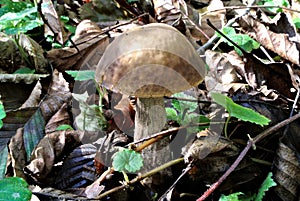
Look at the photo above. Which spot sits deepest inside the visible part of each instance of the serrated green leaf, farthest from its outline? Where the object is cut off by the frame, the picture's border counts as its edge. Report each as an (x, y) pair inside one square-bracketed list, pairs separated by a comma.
[(14, 189), (3, 160), (238, 111), (127, 160), (64, 127), (82, 75), (171, 114), (231, 197), (266, 185)]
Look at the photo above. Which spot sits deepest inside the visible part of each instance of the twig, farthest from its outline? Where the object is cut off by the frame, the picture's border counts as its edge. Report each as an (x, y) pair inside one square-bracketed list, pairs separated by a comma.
[(244, 152), (139, 178), (249, 7)]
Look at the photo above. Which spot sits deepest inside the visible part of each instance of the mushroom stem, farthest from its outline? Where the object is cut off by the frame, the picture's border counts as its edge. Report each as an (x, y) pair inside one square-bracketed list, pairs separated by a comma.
[(150, 118)]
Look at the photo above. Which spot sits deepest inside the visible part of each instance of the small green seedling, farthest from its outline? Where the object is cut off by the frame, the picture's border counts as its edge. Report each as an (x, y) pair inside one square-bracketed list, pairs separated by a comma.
[(243, 40), (14, 189), (239, 196), (185, 113), (238, 111), (127, 160)]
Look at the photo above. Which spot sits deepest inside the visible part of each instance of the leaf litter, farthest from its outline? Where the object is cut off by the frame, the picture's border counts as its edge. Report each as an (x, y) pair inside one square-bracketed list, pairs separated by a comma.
[(264, 80)]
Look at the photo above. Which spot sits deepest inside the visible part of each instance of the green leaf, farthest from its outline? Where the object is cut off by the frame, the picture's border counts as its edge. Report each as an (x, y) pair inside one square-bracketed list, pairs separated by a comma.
[(14, 189), (238, 111), (3, 160), (127, 160), (266, 185), (181, 105), (171, 114), (243, 40), (296, 21), (82, 75), (24, 70), (231, 197), (64, 127)]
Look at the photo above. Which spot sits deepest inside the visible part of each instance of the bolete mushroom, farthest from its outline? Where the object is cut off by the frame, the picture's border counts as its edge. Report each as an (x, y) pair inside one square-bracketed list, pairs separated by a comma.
[(150, 62)]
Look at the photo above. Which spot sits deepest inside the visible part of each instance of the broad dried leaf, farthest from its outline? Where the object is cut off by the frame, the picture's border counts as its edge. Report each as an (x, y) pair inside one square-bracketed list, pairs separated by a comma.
[(101, 10), (202, 146), (48, 150), (33, 132), (52, 18), (90, 43), (217, 18), (34, 54), (35, 96), (277, 42), (17, 153), (77, 170), (3, 159), (58, 94), (59, 118), (286, 173), (225, 71)]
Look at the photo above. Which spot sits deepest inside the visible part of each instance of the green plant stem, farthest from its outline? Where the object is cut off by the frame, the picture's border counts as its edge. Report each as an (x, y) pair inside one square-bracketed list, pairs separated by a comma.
[(139, 178), (226, 125)]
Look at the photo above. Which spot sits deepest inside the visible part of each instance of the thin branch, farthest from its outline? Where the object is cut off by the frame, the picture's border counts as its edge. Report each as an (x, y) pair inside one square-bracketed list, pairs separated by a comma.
[(250, 142)]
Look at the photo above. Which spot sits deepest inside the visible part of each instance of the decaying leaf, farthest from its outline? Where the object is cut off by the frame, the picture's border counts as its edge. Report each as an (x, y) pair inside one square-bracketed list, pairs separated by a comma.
[(35, 54), (59, 118), (16, 88), (225, 71), (17, 153), (277, 42), (286, 173), (202, 146), (52, 18), (48, 150), (90, 45)]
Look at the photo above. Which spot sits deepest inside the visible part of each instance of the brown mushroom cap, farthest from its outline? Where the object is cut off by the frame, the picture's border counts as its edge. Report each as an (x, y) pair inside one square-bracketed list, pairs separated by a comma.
[(150, 61)]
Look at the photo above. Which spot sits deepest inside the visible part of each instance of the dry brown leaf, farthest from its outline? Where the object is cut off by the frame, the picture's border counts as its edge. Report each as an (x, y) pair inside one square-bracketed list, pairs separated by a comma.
[(58, 94), (50, 148), (17, 153), (52, 18), (226, 71), (276, 42), (61, 117), (88, 40), (217, 18)]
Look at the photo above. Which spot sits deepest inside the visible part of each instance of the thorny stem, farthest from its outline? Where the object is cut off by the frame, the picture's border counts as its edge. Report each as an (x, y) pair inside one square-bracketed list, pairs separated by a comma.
[(244, 152)]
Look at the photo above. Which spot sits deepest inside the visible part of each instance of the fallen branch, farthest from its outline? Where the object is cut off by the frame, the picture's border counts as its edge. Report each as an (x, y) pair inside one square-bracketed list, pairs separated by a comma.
[(250, 143)]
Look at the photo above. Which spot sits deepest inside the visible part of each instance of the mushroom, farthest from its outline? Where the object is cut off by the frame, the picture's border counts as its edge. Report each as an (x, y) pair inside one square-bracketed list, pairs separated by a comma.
[(150, 62)]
